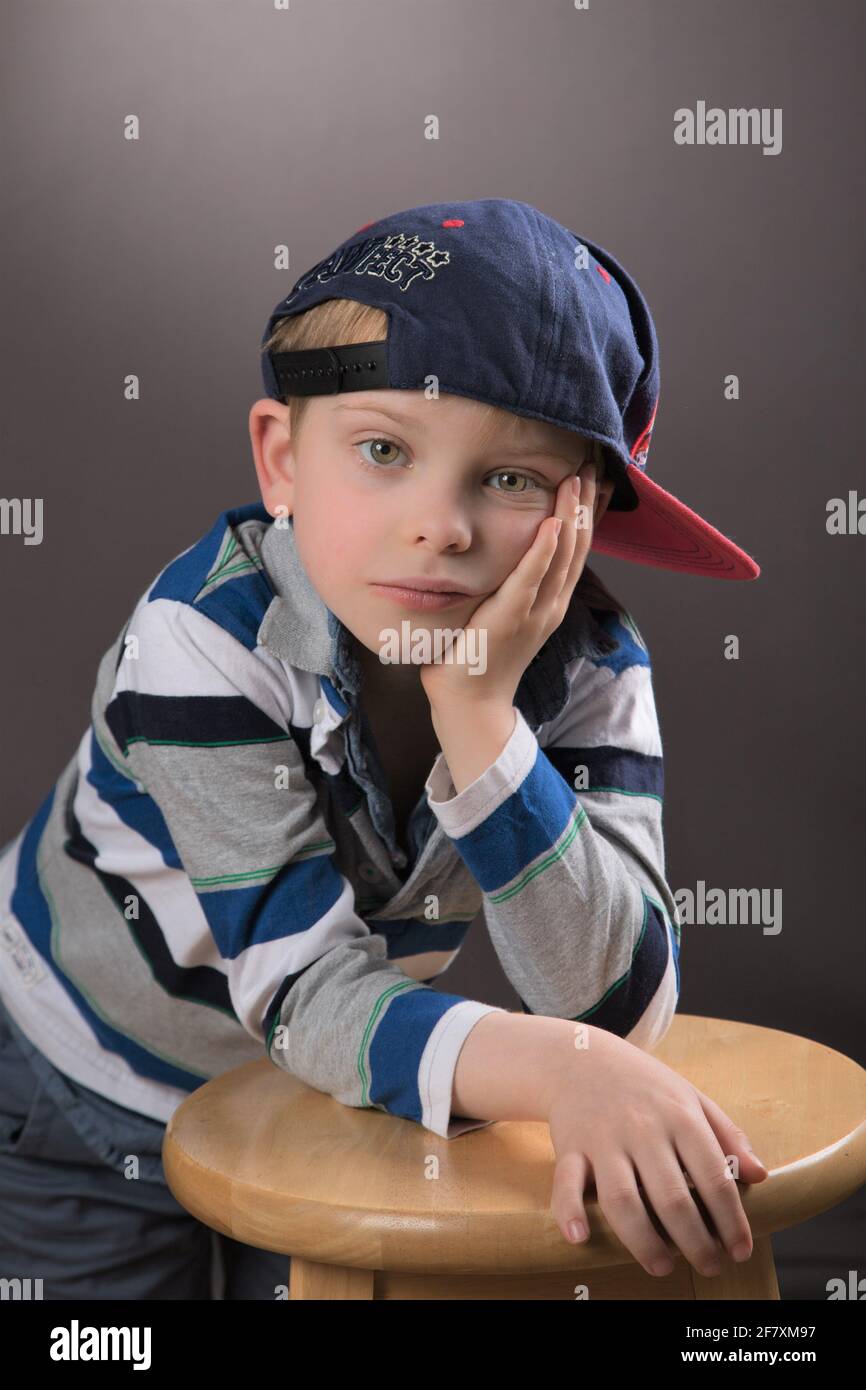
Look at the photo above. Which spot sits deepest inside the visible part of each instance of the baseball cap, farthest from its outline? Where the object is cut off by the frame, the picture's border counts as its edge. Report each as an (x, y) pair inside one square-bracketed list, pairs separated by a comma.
[(503, 304)]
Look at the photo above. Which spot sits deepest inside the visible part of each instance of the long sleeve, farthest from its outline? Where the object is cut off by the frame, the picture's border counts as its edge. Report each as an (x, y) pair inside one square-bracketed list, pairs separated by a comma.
[(201, 723), (563, 833)]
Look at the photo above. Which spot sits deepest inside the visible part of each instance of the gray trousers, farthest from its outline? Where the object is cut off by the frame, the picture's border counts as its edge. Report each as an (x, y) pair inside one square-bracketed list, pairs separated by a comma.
[(69, 1216)]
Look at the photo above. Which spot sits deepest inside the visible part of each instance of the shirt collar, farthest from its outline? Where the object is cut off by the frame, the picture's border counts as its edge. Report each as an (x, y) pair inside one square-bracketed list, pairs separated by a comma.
[(299, 628)]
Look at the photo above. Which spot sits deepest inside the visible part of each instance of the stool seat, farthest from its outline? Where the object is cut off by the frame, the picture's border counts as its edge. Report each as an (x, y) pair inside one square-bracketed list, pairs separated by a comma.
[(372, 1206)]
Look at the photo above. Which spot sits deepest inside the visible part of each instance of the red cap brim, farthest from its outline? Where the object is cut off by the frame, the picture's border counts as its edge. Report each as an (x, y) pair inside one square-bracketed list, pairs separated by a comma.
[(662, 531)]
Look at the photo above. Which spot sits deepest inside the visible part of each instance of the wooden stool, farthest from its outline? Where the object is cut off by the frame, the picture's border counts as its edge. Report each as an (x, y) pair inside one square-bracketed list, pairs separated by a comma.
[(371, 1206)]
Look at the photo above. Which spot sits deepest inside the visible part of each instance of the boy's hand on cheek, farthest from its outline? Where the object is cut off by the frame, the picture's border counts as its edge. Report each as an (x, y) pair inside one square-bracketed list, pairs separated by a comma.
[(514, 622)]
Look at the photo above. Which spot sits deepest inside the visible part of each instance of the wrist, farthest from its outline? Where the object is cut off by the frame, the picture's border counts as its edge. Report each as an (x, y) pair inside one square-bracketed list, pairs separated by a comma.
[(456, 708), (510, 1065), (472, 737), (569, 1048)]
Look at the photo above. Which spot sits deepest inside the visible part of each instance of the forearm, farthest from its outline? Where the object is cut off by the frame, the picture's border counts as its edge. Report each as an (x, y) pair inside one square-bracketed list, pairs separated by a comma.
[(509, 1066), (575, 899), (471, 738)]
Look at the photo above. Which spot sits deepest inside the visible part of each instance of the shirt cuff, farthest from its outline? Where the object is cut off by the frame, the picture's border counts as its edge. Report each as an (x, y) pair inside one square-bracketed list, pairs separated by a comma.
[(460, 812), (438, 1064)]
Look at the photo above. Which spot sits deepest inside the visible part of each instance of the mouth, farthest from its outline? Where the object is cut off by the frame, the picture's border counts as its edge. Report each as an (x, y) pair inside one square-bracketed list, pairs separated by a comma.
[(409, 595), (421, 583)]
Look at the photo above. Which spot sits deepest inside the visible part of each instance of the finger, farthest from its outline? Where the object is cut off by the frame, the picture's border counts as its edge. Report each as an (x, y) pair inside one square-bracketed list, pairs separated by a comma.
[(566, 509), (664, 1183), (729, 1216), (520, 587), (732, 1139), (546, 565), (622, 1204), (717, 1191), (567, 1197), (584, 519), (579, 509)]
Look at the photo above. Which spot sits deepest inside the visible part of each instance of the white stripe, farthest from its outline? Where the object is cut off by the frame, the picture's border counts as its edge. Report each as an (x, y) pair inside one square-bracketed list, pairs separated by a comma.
[(182, 652), (257, 973), (439, 1062), (604, 708), (47, 1016)]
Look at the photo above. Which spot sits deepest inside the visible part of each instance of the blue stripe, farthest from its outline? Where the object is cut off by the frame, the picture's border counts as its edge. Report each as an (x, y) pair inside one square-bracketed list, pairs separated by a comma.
[(629, 1000), (193, 720), (408, 937), (333, 698), (611, 769), (527, 824), (184, 576), (295, 899), (398, 1044), (675, 947), (200, 984), (31, 908), (136, 809), (628, 653), (626, 1002), (237, 605)]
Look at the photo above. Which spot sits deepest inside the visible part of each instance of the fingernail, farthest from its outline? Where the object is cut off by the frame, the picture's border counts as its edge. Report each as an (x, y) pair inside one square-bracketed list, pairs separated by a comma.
[(576, 1230), (575, 485), (741, 1252), (558, 525)]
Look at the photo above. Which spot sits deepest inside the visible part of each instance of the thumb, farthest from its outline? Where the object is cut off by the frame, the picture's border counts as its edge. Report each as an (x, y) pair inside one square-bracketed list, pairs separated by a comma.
[(733, 1140)]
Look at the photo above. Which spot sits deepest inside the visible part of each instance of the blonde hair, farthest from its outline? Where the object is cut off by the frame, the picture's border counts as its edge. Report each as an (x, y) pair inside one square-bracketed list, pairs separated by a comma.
[(338, 322)]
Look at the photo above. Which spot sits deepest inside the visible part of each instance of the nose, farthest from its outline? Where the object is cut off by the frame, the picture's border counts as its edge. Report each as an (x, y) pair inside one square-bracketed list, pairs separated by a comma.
[(438, 517)]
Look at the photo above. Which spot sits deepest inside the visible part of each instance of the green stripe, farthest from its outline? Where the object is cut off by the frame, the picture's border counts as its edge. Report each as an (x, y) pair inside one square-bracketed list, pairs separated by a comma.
[(223, 570), (251, 875), (225, 550), (242, 877), (674, 926), (629, 622), (576, 822), (231, 547), (207, 743), (379, 1006), (579, 1018), (245, 564)]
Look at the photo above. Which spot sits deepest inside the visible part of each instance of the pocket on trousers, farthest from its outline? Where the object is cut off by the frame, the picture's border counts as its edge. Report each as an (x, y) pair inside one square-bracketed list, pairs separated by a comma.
[(23, 1104), (31, 1126), (45, 1114)]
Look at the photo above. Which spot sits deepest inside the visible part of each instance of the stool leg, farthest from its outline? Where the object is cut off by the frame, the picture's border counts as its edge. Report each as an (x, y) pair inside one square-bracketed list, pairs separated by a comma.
[(308, 1279), (755, 1278)]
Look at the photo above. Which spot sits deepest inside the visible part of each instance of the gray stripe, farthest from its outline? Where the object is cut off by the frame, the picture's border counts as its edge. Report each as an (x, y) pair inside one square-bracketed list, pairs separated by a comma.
[(92, 944)]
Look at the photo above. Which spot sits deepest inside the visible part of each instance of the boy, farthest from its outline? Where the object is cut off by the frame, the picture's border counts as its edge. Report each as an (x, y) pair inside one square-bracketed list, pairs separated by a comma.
[(271, 840)]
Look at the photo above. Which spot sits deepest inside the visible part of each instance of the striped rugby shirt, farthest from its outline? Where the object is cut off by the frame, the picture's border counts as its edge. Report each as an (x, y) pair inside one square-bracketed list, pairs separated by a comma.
[(214, 876)]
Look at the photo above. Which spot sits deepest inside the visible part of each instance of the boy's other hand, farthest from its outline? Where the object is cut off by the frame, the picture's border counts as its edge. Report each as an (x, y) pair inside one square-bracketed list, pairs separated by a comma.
[(529, 604), (619, 1116)]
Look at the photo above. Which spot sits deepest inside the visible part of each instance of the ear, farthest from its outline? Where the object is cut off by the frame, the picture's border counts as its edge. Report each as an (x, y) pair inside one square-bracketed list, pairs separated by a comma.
[(273, 455)]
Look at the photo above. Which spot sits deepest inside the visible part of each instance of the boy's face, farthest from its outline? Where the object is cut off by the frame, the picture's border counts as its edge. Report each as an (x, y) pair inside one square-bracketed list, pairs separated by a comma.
[(388, 485)]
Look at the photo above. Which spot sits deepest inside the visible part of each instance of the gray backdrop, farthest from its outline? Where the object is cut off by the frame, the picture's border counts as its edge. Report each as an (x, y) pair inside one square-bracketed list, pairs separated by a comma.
[(260, 127)]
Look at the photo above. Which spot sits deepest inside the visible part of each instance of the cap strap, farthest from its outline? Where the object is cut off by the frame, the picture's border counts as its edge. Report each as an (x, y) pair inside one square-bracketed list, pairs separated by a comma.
[(325, 371)]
